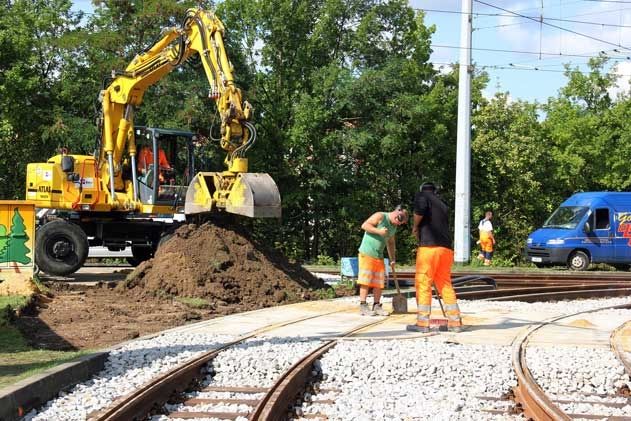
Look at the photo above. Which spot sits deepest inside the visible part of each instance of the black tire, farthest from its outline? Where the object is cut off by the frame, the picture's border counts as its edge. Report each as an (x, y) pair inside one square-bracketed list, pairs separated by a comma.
[(540, 265), (140, 254), (61, 247), (578, 260)]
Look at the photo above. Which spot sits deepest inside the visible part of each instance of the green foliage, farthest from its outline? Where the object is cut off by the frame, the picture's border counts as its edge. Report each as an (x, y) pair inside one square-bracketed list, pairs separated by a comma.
[(350, 114), (324, 260)]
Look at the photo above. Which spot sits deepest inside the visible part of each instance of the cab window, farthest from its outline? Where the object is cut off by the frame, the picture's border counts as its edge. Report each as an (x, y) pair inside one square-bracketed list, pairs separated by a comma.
[(602, 219)]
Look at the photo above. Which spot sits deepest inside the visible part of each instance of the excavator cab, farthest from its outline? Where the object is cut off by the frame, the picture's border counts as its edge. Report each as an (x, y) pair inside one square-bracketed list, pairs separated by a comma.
[(165, 164)]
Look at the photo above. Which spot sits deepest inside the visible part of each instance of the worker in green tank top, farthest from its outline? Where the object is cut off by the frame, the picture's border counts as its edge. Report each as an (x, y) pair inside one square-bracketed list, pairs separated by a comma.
[(380, 230)]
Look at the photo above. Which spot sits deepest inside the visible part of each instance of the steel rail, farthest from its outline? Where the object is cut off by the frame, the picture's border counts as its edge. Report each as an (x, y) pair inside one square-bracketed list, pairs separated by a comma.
[(548, 293), (534, 401), (615, 341), (274, 405), (139, 403)]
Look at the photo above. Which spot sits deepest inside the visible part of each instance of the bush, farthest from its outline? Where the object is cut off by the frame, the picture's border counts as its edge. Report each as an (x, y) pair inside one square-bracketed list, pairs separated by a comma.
[(324, 260)]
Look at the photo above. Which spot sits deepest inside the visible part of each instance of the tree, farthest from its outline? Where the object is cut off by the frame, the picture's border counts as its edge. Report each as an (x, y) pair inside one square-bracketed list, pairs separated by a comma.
[(510, 169)]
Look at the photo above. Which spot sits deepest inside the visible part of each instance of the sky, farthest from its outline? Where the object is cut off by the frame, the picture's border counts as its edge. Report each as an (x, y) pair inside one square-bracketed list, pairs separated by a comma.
[(538, 75), (530, 65)]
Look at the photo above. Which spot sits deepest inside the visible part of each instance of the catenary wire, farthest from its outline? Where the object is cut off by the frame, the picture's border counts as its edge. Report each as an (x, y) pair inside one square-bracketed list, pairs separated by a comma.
[(554, 26)]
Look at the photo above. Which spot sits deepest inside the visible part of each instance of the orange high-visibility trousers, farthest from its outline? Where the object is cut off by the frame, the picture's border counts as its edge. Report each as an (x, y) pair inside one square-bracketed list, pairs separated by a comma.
[(372, 271), (486, 243), (433, 265)]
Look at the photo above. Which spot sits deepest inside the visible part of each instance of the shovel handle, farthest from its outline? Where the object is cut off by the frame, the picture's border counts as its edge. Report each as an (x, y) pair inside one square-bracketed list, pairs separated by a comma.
[(396, 281)]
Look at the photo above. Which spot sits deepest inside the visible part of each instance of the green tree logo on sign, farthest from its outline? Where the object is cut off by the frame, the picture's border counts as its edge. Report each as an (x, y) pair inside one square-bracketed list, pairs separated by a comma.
[(13, 246), (4, 238)]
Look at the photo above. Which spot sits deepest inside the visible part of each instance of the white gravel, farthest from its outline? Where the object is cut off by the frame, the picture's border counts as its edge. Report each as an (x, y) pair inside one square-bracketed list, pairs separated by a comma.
[(577, 373), (412, 379), (557, 307), (258, 362), (126, 369)]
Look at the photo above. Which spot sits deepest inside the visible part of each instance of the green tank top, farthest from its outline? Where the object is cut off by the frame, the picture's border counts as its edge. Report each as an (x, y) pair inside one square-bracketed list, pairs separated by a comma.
[(373, 244)]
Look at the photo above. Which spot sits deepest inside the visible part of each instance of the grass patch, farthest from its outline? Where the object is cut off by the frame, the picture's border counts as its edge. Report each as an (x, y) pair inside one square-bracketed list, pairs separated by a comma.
[(18, 360), (18, 365), (193, 302)]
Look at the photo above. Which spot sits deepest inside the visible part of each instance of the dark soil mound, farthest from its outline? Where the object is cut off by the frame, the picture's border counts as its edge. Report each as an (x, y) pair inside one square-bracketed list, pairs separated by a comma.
[(222, 266)]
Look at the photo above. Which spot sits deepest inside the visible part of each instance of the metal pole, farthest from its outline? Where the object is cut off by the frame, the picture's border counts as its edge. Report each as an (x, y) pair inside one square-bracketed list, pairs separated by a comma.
[(462, 246)]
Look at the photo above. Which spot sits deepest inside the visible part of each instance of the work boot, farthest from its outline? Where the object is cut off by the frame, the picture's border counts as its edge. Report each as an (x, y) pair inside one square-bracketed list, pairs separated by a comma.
[(455, 329), (417, 328), (364, 310), (487, 262), (378, 310)]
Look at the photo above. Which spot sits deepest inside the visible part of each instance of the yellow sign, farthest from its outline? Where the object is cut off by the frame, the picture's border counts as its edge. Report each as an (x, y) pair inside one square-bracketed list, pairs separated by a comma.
[(17, 240)]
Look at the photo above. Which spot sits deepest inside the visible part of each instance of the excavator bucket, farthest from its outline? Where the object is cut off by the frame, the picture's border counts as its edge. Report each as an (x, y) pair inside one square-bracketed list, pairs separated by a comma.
[(252, 194), (255, 195)]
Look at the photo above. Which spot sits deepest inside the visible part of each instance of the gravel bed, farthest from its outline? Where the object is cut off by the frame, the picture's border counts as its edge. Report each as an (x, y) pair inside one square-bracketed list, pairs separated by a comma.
[(378, 379), (125, 370), (411, 379), (257, 362), (165, 418), (577, 373), (559, 307)]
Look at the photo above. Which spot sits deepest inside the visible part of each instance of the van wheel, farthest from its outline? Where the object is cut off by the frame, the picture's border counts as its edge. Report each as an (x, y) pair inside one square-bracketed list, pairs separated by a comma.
[(61, 247), (578, 260)]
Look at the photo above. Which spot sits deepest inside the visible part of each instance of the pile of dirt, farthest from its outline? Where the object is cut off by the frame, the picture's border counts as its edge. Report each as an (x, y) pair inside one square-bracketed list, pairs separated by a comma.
[(223, 266)]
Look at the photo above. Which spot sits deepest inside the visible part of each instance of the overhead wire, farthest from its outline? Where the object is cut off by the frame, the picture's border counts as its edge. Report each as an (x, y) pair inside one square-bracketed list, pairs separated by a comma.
[(536, 19), (554, 26)]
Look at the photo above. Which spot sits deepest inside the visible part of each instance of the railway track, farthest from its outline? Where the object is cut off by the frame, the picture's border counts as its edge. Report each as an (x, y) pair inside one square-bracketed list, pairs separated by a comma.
[(537, 403), (143, 401), (271, 402), (508, 278)]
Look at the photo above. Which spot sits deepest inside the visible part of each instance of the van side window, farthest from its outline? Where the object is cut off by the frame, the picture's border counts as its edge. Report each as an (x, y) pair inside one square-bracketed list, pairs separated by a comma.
[(602, 219)]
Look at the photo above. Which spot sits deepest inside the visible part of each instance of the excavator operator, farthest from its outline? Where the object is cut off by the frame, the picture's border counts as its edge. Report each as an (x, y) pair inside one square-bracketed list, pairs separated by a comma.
[(145, 161)]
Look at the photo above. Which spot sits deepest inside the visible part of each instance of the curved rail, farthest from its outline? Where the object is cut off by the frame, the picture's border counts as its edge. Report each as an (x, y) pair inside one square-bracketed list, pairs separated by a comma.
[(616, 344), (158, 390), (273, 407), (528, 393)]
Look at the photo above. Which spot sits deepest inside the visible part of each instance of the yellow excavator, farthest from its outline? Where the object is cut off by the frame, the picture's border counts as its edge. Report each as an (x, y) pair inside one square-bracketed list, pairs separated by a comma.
[(141, 179)]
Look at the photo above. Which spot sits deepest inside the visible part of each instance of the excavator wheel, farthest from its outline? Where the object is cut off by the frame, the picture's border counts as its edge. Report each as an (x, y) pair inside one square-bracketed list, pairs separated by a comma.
[(61, 247)]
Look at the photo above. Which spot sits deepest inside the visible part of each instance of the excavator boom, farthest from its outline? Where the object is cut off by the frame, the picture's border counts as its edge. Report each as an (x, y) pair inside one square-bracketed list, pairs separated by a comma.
[(201, 33)]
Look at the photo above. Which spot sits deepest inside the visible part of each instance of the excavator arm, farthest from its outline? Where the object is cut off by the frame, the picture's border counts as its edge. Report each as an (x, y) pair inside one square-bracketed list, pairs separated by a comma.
[(234, 190)]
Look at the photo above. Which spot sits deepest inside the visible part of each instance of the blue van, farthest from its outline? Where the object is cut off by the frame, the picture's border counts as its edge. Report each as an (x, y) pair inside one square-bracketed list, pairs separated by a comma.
[(593, 227)]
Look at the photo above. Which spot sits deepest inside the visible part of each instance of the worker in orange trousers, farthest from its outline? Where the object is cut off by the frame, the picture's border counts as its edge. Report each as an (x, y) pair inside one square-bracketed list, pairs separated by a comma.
[(434, 258)]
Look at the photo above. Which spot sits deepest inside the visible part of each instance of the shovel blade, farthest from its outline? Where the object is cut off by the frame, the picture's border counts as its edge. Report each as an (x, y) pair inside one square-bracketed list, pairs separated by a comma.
[(400, 304)]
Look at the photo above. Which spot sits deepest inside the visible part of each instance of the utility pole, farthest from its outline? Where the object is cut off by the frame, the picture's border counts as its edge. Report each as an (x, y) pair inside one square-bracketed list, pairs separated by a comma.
[(462, 245)]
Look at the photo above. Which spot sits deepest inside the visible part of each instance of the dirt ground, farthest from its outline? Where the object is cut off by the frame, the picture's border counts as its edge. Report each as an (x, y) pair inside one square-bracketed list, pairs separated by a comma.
[(92, 317), (216, 270)]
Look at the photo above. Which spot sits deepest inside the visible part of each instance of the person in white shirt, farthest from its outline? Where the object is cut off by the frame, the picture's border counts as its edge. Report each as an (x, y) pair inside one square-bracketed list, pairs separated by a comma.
[(487, 240)]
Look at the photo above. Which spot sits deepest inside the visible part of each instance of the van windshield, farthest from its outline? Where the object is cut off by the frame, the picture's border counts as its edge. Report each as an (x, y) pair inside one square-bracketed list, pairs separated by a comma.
[(566, 217)]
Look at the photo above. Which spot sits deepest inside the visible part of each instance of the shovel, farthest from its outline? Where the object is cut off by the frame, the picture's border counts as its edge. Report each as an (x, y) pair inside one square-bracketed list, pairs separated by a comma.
[(399, 301)]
